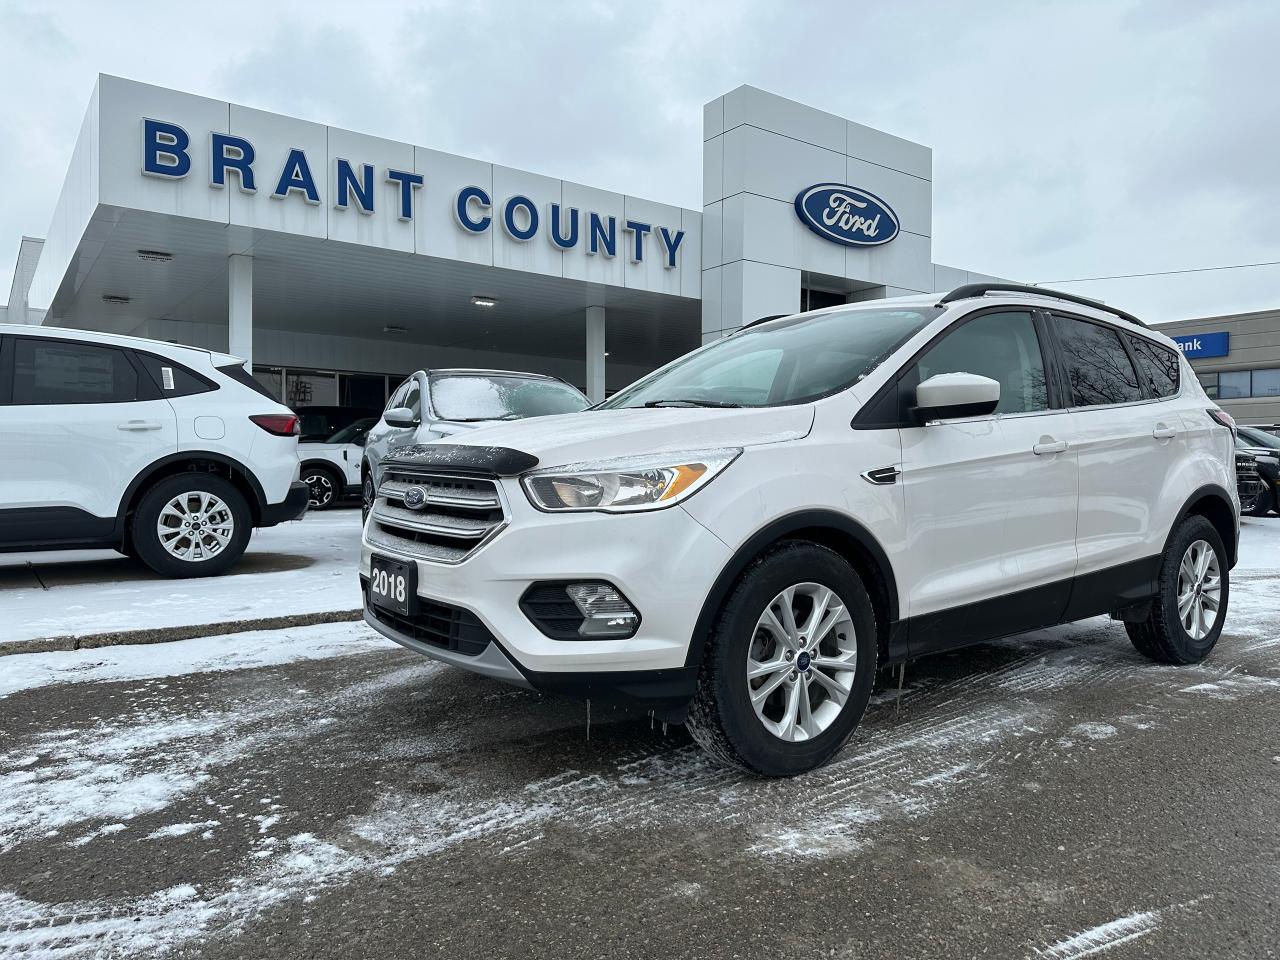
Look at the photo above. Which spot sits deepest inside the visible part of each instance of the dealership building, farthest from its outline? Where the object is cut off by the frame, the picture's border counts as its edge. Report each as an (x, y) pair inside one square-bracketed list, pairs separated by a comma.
[(339, 262), (1237, 359)]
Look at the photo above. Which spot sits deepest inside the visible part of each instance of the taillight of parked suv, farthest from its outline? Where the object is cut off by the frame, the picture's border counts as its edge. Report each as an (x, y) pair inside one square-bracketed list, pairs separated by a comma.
[(280, 424)]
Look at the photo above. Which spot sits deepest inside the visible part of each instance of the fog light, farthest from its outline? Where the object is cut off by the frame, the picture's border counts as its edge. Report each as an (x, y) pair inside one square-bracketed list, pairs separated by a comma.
[(606, 615)]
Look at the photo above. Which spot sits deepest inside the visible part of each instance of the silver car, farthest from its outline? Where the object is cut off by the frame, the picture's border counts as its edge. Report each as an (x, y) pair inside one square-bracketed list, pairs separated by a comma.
[(432, 405)]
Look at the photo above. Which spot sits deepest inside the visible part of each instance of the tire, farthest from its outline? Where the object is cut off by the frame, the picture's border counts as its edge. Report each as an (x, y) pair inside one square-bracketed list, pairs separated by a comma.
[(213, 555), (1263, 505), (1166, 636), (722, 718), (366, 495), (324, 484)]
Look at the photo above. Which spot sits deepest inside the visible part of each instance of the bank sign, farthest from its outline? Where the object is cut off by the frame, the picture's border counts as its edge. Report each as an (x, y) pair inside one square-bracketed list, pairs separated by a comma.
[(846, 215), (167, 149), (1197, 345)]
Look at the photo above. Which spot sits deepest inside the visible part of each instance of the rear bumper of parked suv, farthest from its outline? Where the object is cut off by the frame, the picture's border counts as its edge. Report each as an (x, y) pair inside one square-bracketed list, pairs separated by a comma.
[(469, 613), (293, 506)]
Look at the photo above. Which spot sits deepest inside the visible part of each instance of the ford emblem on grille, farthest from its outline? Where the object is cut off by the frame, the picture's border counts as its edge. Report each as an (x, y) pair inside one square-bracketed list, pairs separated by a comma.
[(415, 498)]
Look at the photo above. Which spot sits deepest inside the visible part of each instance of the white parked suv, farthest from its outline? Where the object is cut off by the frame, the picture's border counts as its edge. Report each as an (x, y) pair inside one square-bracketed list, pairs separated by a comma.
[(743, 537), (168, 453), (331, 466)]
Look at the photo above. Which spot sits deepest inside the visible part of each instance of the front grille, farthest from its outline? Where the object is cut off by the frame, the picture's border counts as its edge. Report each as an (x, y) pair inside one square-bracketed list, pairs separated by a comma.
[(437, 624), (456, 516), (1249, 484)]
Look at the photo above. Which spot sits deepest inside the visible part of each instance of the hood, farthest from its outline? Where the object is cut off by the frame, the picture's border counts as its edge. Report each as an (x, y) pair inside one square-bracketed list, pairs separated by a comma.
[(603, 434)]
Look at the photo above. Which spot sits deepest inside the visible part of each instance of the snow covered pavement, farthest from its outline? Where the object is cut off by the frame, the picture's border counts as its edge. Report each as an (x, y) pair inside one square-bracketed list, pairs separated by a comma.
[(304, 567), (319, 792)]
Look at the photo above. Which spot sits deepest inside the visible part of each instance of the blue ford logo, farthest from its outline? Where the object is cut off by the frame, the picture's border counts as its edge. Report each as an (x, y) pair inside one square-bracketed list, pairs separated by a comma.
[(415, 498), (802, 662), (846, 215)]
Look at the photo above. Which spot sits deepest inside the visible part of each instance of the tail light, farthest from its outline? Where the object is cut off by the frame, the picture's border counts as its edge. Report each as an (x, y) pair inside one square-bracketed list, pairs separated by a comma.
[(1222, 419), (280, 424)]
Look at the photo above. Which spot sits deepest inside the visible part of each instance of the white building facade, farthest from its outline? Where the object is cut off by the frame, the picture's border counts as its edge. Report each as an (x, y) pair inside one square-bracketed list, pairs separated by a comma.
[(340, 262)]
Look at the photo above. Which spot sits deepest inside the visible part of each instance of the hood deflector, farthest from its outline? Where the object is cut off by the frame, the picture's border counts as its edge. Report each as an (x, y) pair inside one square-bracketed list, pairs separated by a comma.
[(463, 458)]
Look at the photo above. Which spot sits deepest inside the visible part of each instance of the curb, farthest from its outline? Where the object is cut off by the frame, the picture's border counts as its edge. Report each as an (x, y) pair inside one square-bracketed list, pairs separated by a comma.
[(168, 634)]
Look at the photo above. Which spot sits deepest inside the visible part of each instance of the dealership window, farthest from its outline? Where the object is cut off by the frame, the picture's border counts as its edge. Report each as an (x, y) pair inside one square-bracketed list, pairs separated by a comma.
[(1233, 384), (1266, 383), (304, 389), (272, 379), (362, 390)]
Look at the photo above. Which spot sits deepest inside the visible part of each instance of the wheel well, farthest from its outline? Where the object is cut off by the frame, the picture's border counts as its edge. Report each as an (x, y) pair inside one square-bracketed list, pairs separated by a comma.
[(825, 528), (322, 465), (868, 568), (196, 464), (1217, 511)]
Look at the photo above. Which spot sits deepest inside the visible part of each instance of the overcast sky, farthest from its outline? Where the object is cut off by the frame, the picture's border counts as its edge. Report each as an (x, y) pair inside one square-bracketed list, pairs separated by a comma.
[(1070, 139)]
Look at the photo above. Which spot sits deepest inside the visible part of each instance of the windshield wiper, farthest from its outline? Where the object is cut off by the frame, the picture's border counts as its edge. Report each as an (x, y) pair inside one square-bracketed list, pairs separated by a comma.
[(690, 403)]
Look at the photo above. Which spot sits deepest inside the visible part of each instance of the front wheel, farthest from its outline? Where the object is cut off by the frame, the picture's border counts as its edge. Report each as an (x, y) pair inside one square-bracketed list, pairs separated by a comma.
[(191, 525), (789, 663), (1191, 604)]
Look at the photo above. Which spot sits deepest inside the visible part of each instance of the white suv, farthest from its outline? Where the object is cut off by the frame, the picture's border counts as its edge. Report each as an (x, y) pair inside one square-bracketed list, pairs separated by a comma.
[(164, 452), (741, 538)]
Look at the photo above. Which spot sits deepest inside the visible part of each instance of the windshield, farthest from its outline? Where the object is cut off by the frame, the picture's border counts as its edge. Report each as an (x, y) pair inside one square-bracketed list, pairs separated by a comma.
[(464, 397), (1258, 438), (795, 360), (352, 432)]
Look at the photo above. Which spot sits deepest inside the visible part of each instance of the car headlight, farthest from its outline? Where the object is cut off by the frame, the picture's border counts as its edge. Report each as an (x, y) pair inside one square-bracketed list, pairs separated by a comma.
[(627, 484)]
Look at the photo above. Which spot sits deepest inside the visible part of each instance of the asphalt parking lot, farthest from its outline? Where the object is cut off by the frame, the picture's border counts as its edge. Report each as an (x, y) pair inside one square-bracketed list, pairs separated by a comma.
[(317, 792)]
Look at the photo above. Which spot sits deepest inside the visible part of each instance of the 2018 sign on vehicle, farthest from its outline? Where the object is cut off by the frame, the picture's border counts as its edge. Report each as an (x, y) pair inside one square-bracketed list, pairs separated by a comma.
[(846, 215)]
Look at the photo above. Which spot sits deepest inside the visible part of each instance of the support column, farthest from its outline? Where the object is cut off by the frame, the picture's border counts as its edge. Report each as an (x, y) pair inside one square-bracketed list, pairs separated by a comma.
[(595, 354), (240, 307)]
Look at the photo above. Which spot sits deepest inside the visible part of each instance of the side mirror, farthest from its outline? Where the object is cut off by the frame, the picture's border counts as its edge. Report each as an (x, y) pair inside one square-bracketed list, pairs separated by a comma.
[(946, 396), (400, 417)]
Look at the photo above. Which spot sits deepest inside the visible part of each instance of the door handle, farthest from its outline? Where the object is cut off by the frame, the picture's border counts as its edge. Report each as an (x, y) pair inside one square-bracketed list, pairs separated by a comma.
[(137, 425), (1048, 445), (1163, 431)]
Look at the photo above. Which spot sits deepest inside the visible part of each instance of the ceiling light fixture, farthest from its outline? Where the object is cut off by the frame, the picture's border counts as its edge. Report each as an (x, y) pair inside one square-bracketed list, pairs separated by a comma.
[(159, 256), (485, 301), (113, 298), (394, 328)]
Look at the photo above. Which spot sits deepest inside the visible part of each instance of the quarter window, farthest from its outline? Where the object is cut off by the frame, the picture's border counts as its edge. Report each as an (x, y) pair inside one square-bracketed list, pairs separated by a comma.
[(1157, 365), (1002, 346), (58, 371), (173, 379), (1099, 370)]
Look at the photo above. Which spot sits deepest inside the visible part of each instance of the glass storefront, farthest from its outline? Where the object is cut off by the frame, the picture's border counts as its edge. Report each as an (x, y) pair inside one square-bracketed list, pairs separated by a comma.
[(297, 387)]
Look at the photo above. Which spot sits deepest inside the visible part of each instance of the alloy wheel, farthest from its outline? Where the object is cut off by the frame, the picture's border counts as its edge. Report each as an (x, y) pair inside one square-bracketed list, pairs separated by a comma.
[(195, 526), (320, 488), (801, 662), (1199, 589)]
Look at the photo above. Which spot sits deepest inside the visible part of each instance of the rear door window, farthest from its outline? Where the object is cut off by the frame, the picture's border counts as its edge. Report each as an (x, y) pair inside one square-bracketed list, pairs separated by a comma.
[(1157, 365), (64, 371), (1098, 367)]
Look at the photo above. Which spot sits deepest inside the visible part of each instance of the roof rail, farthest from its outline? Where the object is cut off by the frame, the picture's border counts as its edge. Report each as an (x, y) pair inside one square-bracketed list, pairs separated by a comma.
[(980, 289)]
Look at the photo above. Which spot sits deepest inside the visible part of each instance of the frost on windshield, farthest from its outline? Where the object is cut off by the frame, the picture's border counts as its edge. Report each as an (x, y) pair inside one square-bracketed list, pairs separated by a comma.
[(502, 398)]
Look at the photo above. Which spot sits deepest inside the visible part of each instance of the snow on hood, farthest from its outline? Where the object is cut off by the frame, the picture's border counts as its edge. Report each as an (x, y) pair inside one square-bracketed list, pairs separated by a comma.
[(602, 434)]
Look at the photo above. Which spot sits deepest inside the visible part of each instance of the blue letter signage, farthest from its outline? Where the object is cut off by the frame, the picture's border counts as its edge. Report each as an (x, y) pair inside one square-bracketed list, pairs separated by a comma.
[(846, 215), (1197, 345)]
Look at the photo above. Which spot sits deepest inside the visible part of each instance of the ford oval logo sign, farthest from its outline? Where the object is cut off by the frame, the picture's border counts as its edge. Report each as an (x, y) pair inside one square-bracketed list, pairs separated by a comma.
[(415, 498), (847, 215)]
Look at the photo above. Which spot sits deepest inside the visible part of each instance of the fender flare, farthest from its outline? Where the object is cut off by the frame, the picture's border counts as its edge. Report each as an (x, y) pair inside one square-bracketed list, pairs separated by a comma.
[(776, 530), (158, 466), (1216, 492)]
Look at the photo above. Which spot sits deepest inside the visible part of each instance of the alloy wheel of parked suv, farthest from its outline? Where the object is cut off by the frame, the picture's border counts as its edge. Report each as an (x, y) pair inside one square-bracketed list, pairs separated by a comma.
[(322, 487), (191, 525), (1187, 615), (790, 663)]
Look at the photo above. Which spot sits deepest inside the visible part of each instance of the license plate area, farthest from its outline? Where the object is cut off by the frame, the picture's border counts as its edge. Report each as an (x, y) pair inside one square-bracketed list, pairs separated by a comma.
[(393, 585)]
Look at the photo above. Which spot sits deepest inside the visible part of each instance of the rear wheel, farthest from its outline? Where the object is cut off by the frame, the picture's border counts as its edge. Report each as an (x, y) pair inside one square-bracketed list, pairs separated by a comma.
[(789, 664), (1188, 612), (191, 525), (324, 486), (366, 495)]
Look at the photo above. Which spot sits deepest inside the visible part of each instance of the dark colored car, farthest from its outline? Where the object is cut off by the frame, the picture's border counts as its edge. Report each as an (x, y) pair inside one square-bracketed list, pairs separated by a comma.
[(320, 423), (1264, 448)]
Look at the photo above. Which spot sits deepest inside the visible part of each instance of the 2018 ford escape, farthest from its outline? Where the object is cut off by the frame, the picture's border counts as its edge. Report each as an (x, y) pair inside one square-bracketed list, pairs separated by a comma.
[(743, 537)]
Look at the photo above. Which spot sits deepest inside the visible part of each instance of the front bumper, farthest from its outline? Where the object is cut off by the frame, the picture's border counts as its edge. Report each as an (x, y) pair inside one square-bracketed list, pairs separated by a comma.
[(292, 507), (663, 561)]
